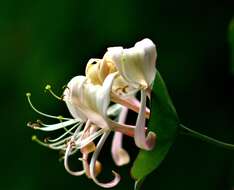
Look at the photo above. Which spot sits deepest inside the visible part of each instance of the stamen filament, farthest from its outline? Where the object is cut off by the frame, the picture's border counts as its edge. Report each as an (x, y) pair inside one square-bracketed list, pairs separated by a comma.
[(57, 126), (52, 146), (64, 134), (41, 113), (48, 88), (82, 143)]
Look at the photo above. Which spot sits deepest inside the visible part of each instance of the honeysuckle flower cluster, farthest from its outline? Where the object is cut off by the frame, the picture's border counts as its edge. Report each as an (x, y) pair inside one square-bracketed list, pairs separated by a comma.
[(108, 90)]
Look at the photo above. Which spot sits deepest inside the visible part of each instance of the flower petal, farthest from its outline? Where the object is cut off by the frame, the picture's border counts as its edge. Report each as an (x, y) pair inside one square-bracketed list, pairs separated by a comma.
[(116, 180), (150, 56), (141, 141), (96, 100), (66, 165), (103, 97), (137, 64), (119, 155), (70, 96)]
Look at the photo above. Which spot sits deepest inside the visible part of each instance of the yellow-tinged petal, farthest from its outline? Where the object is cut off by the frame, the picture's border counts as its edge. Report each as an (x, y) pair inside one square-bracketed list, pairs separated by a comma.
[(137, 64), (70, 97), (89, 99)]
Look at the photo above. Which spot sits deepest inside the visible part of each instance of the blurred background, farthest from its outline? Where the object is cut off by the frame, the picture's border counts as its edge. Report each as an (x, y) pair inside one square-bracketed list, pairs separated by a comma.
[(49, 42)]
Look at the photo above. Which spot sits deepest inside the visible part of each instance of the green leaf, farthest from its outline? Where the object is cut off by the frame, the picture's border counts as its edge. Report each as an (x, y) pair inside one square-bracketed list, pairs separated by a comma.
[(164, 122), (231, 44)]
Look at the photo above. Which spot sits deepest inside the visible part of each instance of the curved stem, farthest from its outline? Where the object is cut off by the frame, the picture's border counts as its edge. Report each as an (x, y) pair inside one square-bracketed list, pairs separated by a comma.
[(206, 138)]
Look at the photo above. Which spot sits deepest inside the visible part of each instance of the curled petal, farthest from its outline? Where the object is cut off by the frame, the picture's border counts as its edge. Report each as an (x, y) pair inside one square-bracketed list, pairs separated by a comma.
[(66, 165), (116, 180), (119, 155), (141, 141)]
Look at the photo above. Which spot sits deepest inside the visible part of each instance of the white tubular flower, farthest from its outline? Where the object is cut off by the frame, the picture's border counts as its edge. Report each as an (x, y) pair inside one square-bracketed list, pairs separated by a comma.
[(115, 78), (137, 66), (93, 101), (88, 103)]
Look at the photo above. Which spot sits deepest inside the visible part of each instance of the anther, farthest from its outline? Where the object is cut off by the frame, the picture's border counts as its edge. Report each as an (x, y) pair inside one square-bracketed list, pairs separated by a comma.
[(48, 88), (33, 125), (60, 118), (46, 140), (39, 121), (34, 138)]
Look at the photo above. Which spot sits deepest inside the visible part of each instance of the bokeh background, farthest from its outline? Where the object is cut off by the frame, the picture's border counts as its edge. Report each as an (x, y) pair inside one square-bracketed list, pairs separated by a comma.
[(45, 42)]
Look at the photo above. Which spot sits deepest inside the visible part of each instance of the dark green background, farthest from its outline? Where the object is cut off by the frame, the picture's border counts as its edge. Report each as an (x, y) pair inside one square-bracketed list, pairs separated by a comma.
[(50, 42)]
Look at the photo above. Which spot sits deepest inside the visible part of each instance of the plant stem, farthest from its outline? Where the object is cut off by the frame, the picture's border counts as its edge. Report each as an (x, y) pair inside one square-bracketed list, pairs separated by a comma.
[(206, 138)]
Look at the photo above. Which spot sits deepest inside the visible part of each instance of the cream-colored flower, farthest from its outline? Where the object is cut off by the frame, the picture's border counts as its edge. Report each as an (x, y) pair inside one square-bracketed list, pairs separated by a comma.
[(136, 72), (116, 78), (88, 103), (137, 64)]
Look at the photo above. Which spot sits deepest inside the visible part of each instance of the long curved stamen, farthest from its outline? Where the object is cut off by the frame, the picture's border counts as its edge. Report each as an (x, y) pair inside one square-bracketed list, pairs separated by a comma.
[(41, 113), (141, 141), (64, 134), (77, 135), (48, 88), (55, 146), (56, 126), (66, 165), (116, 180), (68, 152), (83, 143), (60, 142), (119, 155)]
